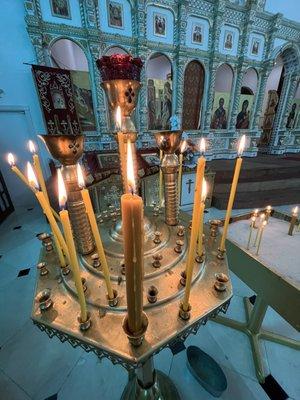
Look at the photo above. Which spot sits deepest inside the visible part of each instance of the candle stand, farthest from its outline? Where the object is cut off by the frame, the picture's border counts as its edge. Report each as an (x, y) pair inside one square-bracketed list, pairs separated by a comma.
[(105, 336), (68, 149)]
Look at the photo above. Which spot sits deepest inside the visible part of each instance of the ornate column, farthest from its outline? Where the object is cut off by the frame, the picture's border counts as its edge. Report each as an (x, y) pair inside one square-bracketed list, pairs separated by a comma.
[(210, 94), (142, 52), (179, 88), (235, 96), (37, 42), (259, 97), (205, 90)]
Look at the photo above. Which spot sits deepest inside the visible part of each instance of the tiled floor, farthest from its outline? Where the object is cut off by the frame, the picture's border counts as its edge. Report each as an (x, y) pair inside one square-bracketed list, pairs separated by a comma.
[(34, 367)]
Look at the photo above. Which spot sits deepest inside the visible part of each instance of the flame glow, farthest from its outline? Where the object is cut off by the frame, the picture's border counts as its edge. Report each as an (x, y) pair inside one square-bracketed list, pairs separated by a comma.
[(202, 146), (204, 190), (183, 146), (11, 159), (62, 193), (241, 145), (118, 118), (253, 219), (265, 223), (130, 170), (80, 177), (295, 210), (31, 176), (31, 146), (269, 208)]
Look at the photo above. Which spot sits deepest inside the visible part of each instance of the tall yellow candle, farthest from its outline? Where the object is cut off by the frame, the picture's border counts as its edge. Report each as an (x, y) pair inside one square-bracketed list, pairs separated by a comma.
[(15, 169), (93, 222), (121, 146), (179, 185), (160, 179), (38, 169), (236, 175), (46, 209), (65, 221), (201, 223), (133, 234), (194, 232)]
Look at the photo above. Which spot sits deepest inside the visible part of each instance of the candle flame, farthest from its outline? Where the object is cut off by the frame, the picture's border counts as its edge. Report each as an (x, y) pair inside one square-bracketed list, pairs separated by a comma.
[(256, 211), (11, 159), (262, 216), (265, 223), (80, 177), (31, 177), (183, 146), (31, 146), (269, 208), (118, 118), (204, 191), (202, 146), (62, 193), (130, 170), (241, 145), (295, 210)]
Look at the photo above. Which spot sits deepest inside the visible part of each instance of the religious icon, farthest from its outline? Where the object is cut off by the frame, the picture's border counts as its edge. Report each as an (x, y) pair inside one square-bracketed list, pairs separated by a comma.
[(167, 106), (269, 117), (228, 42), (243, 118), (255, 47), (58, 99), (292, 117), (159, 25), (159, 103), (197, 34), (151, 104), (60, 8), (115, 14), (219, 120)]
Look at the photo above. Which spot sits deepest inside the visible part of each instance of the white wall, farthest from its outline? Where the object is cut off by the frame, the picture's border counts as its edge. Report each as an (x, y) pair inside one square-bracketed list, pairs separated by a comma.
[(158, 67), (224, 78), (250, 79), (69, 55)]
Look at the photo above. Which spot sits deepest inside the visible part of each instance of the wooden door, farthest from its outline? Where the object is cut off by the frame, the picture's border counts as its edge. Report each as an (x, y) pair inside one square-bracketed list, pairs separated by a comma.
[(192, 95)]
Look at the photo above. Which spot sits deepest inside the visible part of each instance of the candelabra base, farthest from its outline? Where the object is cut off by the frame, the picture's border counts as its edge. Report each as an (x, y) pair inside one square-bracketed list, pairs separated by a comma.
[(162, 388)]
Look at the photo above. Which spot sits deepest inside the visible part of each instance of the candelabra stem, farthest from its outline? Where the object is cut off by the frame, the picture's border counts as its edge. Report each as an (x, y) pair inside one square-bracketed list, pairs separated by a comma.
[(150, 384), (169, 168)]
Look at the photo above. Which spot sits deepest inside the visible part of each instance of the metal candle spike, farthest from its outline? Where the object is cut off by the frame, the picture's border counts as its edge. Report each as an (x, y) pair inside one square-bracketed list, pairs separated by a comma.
[(168, 142)]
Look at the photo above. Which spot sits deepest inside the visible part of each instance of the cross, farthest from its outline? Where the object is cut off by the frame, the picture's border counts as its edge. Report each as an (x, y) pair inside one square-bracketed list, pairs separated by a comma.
[(64, 124), (51, 126), (189, 183)]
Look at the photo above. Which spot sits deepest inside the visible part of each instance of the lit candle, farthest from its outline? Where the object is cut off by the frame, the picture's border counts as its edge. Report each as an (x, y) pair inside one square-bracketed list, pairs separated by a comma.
[(194, 231), (251, 229), (201, 224), (261, 220), (261, 234), (120, 135), (255, 214), (91, 216), (46, 209), (293, 221), (64, 217), (160, 179), (15, 169), (268, 212), (133, 234), (232, 192), (182, 149)]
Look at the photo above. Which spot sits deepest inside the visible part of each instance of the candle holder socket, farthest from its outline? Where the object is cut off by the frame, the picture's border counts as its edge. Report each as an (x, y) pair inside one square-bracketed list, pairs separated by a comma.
[(183, 278), (85, 325), (155, 211), (180, 230), (136, 338), (42, 268), (65, 270), (199, 259), (123, 268), (184, 314), (46, 240), (152, 294), (44, 300), (221, 282), (221, 254), (95, 260), (114, 301), (157, 258), (179, 245), (84, 286), (214, 227), (157, 236)]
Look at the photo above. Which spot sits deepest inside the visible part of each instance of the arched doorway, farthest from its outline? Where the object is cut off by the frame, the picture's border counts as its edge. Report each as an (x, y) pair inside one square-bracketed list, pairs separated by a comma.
[(115, 50), (248, 90), (159, 91), (66, 54), (223, 85), (192, 95)]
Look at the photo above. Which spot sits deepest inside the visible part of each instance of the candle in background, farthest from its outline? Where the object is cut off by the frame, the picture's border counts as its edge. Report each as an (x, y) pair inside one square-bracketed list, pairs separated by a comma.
[(46, 209), (201, 224), (261, 234), (261, 221), (251, 229), (268, 213), (182, 149), (255, 214), (160, 179), (236, 175), (133, 236), (120, 135), (93, 222), (194, 232), (65, 221), (15, 169), (293, 221)]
